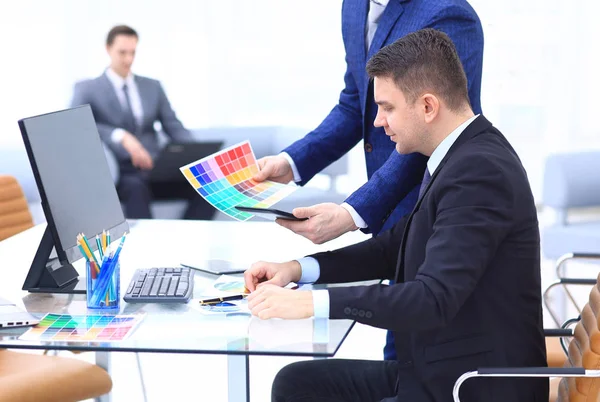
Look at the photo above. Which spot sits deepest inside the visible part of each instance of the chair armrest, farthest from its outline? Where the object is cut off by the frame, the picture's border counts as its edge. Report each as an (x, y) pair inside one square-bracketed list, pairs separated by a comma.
[(577, 281), (573, 256), (532, 371), (558, 332), (592, 256), (522, 372)]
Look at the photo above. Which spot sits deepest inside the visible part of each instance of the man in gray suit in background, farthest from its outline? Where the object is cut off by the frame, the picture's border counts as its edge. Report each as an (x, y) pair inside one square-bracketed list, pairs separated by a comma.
[(125, 107)]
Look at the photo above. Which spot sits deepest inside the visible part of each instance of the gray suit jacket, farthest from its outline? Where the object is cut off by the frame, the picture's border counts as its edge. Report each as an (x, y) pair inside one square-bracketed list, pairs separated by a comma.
[(100, 95)]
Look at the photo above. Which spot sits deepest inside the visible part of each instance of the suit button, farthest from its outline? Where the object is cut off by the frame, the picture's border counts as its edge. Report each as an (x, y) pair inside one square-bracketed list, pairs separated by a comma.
[(368, 314), (347, 310), (354, 311), (368, 147), (361, 313)]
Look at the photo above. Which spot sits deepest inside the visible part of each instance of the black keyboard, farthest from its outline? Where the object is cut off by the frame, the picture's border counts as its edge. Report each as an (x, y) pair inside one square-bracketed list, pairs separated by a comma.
[(160, 285)]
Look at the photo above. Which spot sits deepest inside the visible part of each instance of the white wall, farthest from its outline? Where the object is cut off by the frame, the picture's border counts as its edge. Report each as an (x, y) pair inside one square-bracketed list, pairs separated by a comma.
[(256, 62)]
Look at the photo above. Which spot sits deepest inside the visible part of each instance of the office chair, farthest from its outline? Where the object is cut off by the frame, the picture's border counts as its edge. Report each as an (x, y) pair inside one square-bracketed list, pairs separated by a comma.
[(570, 183), (14, 211), (581, 374), (27, 377), (555, 356)]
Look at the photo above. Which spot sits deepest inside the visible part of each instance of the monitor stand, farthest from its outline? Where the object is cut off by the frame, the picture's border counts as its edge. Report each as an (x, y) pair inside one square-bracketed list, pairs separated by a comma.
[(50, 275)]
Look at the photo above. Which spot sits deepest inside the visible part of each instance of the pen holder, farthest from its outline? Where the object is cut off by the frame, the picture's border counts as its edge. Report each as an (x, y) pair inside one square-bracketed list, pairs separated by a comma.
[(103, 292)]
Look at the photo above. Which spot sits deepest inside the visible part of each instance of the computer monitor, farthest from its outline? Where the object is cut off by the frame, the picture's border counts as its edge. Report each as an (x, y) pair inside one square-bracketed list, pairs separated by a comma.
[(77, 191)]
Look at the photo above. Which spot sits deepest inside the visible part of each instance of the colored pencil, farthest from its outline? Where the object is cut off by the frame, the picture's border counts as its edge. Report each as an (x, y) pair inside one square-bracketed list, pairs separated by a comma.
[(87, 245), (99, 245)]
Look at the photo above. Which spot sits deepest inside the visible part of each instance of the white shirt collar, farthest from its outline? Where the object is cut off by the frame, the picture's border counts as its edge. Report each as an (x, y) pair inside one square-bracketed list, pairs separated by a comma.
[(117, 80), (440, 152)]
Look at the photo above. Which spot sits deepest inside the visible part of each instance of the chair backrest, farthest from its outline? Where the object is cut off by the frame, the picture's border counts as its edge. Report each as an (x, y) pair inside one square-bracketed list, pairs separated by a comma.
[(571, 180), (14, 211), (584, 351)]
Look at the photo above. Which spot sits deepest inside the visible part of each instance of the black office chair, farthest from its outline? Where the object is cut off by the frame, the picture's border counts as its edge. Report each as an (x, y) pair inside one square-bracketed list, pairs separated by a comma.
[(580, 375)]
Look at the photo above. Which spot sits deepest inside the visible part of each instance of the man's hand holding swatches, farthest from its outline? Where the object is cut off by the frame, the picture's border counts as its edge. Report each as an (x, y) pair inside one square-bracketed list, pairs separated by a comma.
[(326, 221), (274, 168)]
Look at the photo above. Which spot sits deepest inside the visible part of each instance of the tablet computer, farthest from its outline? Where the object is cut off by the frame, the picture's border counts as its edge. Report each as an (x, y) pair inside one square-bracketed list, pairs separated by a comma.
[(215, 267), (270, 213)]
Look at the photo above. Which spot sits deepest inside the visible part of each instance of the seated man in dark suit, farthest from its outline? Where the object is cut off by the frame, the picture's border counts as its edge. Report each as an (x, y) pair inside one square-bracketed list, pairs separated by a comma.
[(125, 107), (466, 261)]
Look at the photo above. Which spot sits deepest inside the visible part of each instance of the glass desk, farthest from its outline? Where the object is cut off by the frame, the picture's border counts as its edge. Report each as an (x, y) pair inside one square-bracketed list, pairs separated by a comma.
[(181, 328)]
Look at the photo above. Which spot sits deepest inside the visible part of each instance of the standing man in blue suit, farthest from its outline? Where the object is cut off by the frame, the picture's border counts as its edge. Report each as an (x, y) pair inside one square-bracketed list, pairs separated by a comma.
[(466, 261), (125, 107), (394, 180)]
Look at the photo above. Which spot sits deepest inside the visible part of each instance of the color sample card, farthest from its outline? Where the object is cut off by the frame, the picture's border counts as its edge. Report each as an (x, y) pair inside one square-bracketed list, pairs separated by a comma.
[(82, 328), (224, 179)]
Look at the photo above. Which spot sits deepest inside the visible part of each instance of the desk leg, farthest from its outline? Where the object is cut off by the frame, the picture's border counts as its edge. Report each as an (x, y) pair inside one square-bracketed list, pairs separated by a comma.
[(103, 361), (238, 375)]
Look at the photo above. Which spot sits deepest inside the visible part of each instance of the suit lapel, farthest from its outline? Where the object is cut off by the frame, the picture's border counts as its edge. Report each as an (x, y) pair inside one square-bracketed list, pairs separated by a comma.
[(358, 29), (477, 126), (388, 19)]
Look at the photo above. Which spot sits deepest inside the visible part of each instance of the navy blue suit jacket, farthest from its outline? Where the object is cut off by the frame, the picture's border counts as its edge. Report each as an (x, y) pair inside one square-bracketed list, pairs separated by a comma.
[(394, 179), (467, 266)]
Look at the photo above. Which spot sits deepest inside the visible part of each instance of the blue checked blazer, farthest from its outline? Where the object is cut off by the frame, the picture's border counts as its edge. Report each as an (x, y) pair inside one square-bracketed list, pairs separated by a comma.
[(393, 186)]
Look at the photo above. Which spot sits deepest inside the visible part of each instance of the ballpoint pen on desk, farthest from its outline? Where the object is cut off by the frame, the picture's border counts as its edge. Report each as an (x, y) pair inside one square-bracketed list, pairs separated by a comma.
[(216, 300)]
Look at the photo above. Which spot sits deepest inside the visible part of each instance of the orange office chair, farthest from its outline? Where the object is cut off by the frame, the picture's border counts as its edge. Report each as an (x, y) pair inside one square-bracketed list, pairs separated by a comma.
[(27, 377), (555, 355), (581, 372), (14, 211)]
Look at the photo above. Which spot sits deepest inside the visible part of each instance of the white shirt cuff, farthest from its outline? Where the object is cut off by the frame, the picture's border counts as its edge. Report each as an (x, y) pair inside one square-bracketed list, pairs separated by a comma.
[(117, 135), (310, 270), (287, 157), (321, 303), (358, 221)]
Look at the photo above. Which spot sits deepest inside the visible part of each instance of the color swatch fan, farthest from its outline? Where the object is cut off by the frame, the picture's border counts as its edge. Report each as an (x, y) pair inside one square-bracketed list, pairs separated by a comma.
[(82, 328), (224, 179)]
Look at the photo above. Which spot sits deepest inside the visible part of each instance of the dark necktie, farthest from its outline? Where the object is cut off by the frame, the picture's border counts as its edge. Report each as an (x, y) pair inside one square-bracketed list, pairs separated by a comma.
[(425, 182), (130, 124)]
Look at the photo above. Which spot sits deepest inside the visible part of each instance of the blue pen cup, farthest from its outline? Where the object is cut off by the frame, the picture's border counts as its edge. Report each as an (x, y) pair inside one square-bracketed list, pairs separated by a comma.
[(111, 295)]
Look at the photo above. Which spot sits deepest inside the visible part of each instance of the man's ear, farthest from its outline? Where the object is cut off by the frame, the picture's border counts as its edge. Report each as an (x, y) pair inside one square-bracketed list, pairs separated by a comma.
[(431, 106)]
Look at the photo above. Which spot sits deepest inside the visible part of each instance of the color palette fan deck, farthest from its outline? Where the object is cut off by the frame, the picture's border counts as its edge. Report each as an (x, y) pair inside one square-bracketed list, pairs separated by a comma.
[(224, 179), (82, 328)]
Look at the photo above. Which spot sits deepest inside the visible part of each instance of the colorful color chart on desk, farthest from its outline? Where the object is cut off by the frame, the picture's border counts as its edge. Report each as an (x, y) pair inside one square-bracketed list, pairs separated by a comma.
[(82, 328), (225, 180)]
